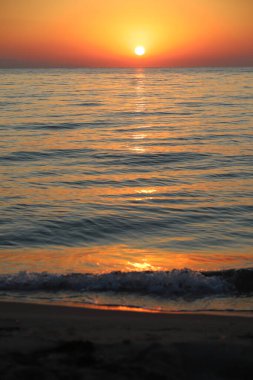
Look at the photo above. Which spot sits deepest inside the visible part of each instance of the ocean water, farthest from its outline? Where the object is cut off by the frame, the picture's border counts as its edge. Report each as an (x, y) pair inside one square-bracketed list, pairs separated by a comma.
[(128, 187)]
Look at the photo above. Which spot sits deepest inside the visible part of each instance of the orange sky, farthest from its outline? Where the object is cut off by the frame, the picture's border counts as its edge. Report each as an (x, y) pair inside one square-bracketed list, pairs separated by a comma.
[(76, 33)]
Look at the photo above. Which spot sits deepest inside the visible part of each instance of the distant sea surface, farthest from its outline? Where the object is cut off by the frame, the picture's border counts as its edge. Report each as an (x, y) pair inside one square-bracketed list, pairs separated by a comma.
[(113, 181)]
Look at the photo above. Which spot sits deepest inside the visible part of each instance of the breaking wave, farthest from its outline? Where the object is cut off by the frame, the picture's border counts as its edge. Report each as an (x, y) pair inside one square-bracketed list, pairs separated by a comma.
[(172, 283)]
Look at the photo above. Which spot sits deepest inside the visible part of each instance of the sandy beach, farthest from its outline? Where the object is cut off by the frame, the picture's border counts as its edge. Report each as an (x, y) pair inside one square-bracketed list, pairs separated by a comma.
[(59, 342)]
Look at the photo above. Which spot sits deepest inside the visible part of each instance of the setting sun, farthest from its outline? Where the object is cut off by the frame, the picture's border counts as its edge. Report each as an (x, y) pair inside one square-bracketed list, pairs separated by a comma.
[(139, 50)]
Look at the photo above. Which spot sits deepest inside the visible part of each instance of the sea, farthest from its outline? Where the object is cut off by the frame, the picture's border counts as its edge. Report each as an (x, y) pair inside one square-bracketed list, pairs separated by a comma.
[(128, 188)]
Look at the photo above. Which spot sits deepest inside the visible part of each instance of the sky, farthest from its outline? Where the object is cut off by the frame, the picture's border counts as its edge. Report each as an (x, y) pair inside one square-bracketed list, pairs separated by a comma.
[(104, 33)]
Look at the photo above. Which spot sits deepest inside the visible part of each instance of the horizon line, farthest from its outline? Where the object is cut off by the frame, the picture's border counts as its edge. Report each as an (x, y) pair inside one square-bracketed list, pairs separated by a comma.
[(129, 67)]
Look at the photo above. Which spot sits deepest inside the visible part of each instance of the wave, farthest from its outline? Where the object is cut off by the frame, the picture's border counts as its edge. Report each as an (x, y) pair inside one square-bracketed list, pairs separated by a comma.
[(20, 156), (174, 283)]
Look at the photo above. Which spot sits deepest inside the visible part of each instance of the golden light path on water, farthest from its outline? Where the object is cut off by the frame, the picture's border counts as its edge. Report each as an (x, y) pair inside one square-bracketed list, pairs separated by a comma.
[(116, 258)]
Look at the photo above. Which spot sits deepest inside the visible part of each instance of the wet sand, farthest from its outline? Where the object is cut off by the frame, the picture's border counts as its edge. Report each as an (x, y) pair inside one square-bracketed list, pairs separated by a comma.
[(59, 342)]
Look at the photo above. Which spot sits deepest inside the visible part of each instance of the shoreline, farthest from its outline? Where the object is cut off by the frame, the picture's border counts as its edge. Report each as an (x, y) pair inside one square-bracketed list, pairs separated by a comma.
[(131, 309), (54, 342)]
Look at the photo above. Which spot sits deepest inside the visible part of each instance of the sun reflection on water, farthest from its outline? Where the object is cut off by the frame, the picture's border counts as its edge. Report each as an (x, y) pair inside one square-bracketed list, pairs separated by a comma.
[(142, 266), (146, 191)]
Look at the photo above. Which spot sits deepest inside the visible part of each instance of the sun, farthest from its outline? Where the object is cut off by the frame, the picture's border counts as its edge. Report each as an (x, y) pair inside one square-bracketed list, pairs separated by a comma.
[(139, 50)]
